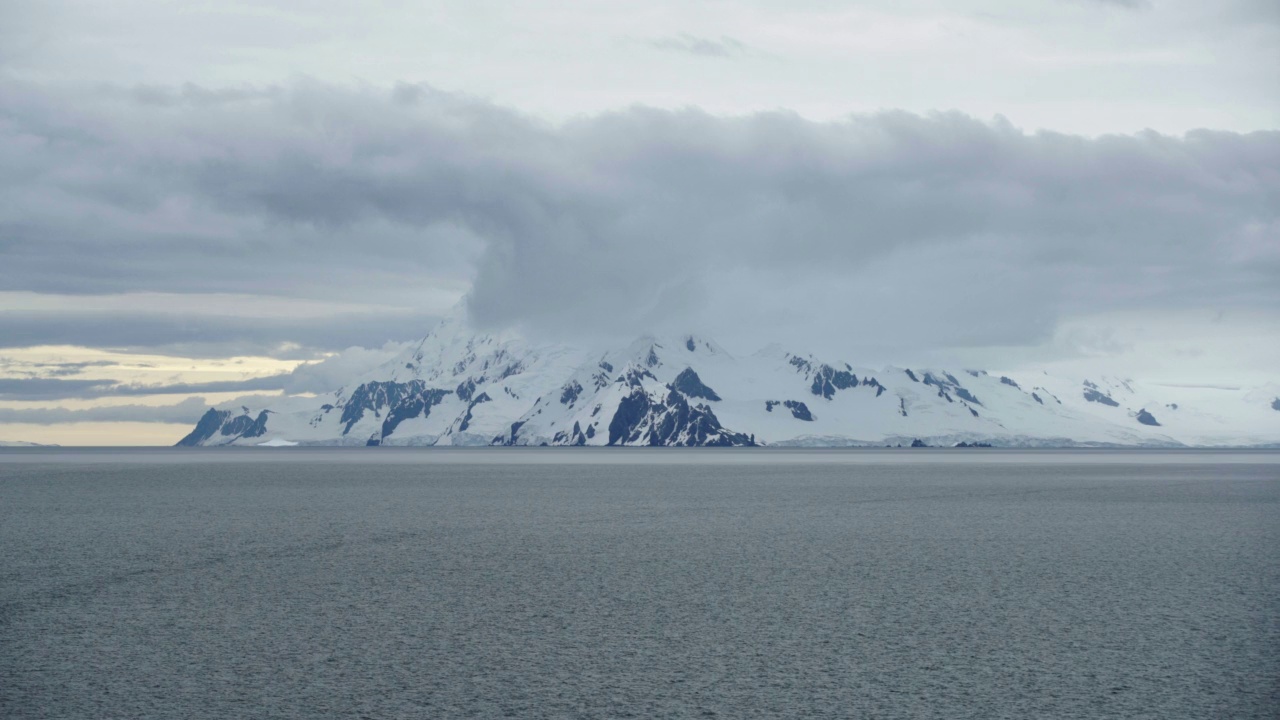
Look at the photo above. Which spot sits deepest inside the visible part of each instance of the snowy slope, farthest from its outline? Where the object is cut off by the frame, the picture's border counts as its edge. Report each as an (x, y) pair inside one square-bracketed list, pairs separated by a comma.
[(457, 387)]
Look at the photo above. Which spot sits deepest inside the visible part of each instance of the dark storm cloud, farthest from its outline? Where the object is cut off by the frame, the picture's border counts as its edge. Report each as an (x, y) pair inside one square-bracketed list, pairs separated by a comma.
[(906, 230), (187, 411), (693, 45)]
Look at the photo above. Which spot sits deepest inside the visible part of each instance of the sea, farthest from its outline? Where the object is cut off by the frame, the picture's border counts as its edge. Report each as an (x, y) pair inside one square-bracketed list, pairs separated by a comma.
[(634, 583)]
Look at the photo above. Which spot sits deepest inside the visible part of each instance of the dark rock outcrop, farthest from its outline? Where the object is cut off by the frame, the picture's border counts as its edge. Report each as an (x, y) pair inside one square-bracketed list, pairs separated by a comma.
[(827, 380), (799, 410), (801, 364), (221, 422), (465, 423), (569, 394), (244, 426), (573, 437), (1092, 395), (642, 419), (210, 423), (412, 405), (949, 386), (633, 376), (1147, 418), (690, 384)]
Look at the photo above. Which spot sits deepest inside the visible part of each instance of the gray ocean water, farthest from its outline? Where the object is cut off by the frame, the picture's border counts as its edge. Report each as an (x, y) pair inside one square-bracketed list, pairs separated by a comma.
[(580, 584)]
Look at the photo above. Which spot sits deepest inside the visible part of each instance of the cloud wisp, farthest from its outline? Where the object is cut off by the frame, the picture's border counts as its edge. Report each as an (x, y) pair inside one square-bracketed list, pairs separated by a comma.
[(722, 47), (186, 411), (62, 388), (331, 373)]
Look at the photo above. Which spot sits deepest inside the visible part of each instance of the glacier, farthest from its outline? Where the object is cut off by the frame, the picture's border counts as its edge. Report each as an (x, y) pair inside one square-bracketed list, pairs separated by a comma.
[(464, 388)]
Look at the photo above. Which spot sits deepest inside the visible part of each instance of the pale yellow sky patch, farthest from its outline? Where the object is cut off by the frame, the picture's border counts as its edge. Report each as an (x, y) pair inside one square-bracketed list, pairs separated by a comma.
[(216, 304), (96, 433), (118, 400), (139, 368)]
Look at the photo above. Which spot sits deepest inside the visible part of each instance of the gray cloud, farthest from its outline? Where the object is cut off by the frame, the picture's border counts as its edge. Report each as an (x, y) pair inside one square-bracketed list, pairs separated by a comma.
[(53, 369), (328, 374), (693, 45), (60, 388), (48, 388), (187, 411), (891, 230), (207, 336), (269, 382), (1131, 4)]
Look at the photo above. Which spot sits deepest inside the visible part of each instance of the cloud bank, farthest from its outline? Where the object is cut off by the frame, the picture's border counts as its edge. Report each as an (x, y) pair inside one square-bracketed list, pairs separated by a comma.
[(50, 381), (892, 230), (186, 411)]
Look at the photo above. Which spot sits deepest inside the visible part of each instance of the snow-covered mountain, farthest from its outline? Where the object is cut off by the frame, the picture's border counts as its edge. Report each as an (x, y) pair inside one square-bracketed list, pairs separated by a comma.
[(457, 387)]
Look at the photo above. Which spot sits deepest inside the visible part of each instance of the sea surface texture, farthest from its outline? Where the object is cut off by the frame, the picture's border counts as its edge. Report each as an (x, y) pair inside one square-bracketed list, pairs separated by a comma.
[(381, 583)]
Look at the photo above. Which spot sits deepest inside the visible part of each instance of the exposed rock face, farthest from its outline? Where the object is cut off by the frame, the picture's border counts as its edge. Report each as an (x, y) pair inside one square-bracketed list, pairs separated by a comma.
[(575, 436), (799, 410), (221, 422), (465, 423), (1147, 418), (691, 385), (950, 386), (403, 402), (570, 393), (827, 380), (244, 426), (1275, 404), (671, 421), (209, 423), (466, 389), (1092, 395)]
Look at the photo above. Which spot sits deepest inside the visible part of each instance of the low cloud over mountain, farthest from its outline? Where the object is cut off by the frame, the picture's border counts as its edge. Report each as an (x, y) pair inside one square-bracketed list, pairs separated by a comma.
[(890, 224)]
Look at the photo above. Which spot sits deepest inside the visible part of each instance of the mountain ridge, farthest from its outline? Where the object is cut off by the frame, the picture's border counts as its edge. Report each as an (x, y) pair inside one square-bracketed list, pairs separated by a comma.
[(460, 387)]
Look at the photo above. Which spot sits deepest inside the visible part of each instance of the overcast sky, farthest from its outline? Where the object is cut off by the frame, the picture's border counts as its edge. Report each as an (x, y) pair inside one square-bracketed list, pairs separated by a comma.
[(197, 197)]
